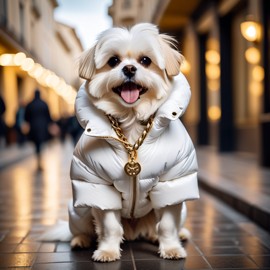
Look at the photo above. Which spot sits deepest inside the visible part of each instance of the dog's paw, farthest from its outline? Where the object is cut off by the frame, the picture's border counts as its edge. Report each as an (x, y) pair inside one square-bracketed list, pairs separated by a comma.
[(106, 255), (80, 241), (173, 253)]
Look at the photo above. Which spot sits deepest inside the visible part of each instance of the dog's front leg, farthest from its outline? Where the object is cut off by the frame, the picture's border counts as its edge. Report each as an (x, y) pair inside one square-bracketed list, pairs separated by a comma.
[(168, 227), (110, 234)]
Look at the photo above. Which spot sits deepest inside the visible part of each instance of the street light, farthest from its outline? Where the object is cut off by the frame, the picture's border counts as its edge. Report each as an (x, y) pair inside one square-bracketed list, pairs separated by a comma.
[(253, 55), (185, 67), (251, 30), (44, 76)]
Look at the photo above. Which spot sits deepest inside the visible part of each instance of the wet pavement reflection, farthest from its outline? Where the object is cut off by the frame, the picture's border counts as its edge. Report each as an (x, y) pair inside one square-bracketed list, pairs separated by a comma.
[(31, 200)]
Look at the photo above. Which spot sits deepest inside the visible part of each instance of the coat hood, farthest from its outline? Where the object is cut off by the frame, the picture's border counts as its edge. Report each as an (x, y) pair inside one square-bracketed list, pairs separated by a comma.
[(90, 118)]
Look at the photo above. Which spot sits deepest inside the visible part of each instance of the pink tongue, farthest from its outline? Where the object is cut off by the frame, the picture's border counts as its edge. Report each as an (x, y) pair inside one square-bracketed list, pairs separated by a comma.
[(130, 95)]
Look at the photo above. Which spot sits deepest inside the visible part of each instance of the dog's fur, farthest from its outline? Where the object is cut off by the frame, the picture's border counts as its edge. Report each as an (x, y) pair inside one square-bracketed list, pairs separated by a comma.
[(119, 56), (143, 40)]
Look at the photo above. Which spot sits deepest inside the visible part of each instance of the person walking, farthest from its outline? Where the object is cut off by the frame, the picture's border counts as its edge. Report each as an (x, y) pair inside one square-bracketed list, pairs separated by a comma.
[(20, 126), (38, 117)]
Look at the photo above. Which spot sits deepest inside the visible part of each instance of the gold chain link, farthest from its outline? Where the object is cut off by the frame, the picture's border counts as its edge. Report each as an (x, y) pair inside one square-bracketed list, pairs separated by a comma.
[(131, 149), (122, 137)]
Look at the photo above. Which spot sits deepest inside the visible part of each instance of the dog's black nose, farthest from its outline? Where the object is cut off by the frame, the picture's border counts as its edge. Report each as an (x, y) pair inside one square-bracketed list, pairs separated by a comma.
[(129, 70)]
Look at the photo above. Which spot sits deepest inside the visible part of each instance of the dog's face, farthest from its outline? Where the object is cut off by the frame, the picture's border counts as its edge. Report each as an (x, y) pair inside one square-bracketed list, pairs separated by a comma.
[(130, 70)]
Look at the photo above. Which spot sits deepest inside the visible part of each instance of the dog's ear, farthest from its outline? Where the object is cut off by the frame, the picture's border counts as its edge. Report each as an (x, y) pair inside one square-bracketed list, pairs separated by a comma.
[(173, 59), (87, 65)]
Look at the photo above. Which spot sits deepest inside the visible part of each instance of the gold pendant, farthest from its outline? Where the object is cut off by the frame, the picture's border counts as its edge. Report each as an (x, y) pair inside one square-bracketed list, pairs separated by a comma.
[(132, 168)]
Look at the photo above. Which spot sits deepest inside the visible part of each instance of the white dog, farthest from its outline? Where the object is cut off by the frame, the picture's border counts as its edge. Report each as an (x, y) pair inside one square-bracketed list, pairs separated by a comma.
[(135, 164)]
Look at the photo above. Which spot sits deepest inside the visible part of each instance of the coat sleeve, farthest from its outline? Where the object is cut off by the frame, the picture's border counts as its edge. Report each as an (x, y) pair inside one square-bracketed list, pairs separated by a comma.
[(179, 183), (89, 189)]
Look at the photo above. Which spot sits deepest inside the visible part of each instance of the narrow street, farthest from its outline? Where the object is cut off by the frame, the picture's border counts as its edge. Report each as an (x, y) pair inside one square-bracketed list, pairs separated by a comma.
[(31, 201)]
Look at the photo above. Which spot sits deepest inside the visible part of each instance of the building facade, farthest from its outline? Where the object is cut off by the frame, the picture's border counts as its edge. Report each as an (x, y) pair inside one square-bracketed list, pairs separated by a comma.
[(233, 75), (226, 47), (128, 12), (36, 52)]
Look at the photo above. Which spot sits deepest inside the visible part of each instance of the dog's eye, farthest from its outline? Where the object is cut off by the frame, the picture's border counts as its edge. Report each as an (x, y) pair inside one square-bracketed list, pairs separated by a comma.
[(113, 61), (145, 61)]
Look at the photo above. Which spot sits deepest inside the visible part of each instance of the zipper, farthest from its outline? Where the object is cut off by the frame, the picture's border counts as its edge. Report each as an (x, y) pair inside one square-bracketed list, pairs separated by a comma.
[(133, 179), (134, 197)]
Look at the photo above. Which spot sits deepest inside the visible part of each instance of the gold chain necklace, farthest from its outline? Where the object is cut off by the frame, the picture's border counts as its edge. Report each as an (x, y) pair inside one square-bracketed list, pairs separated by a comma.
[(132, 167)]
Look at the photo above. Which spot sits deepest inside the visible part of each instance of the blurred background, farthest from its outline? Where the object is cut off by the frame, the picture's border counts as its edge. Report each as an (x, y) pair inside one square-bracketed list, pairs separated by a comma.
[(226, 44)]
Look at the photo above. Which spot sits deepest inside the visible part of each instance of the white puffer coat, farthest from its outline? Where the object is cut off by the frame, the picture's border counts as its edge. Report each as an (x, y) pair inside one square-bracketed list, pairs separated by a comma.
[(167, 157)]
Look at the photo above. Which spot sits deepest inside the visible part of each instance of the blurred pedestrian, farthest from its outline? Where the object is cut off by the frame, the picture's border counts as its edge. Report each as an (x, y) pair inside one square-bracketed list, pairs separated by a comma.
[(20, 126), (63, 124), (38, 117), (74, 129), (2, 122)]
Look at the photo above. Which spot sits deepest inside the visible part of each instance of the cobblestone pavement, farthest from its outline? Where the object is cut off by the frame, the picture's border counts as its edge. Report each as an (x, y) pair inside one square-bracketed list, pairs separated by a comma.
[(30, 201)]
